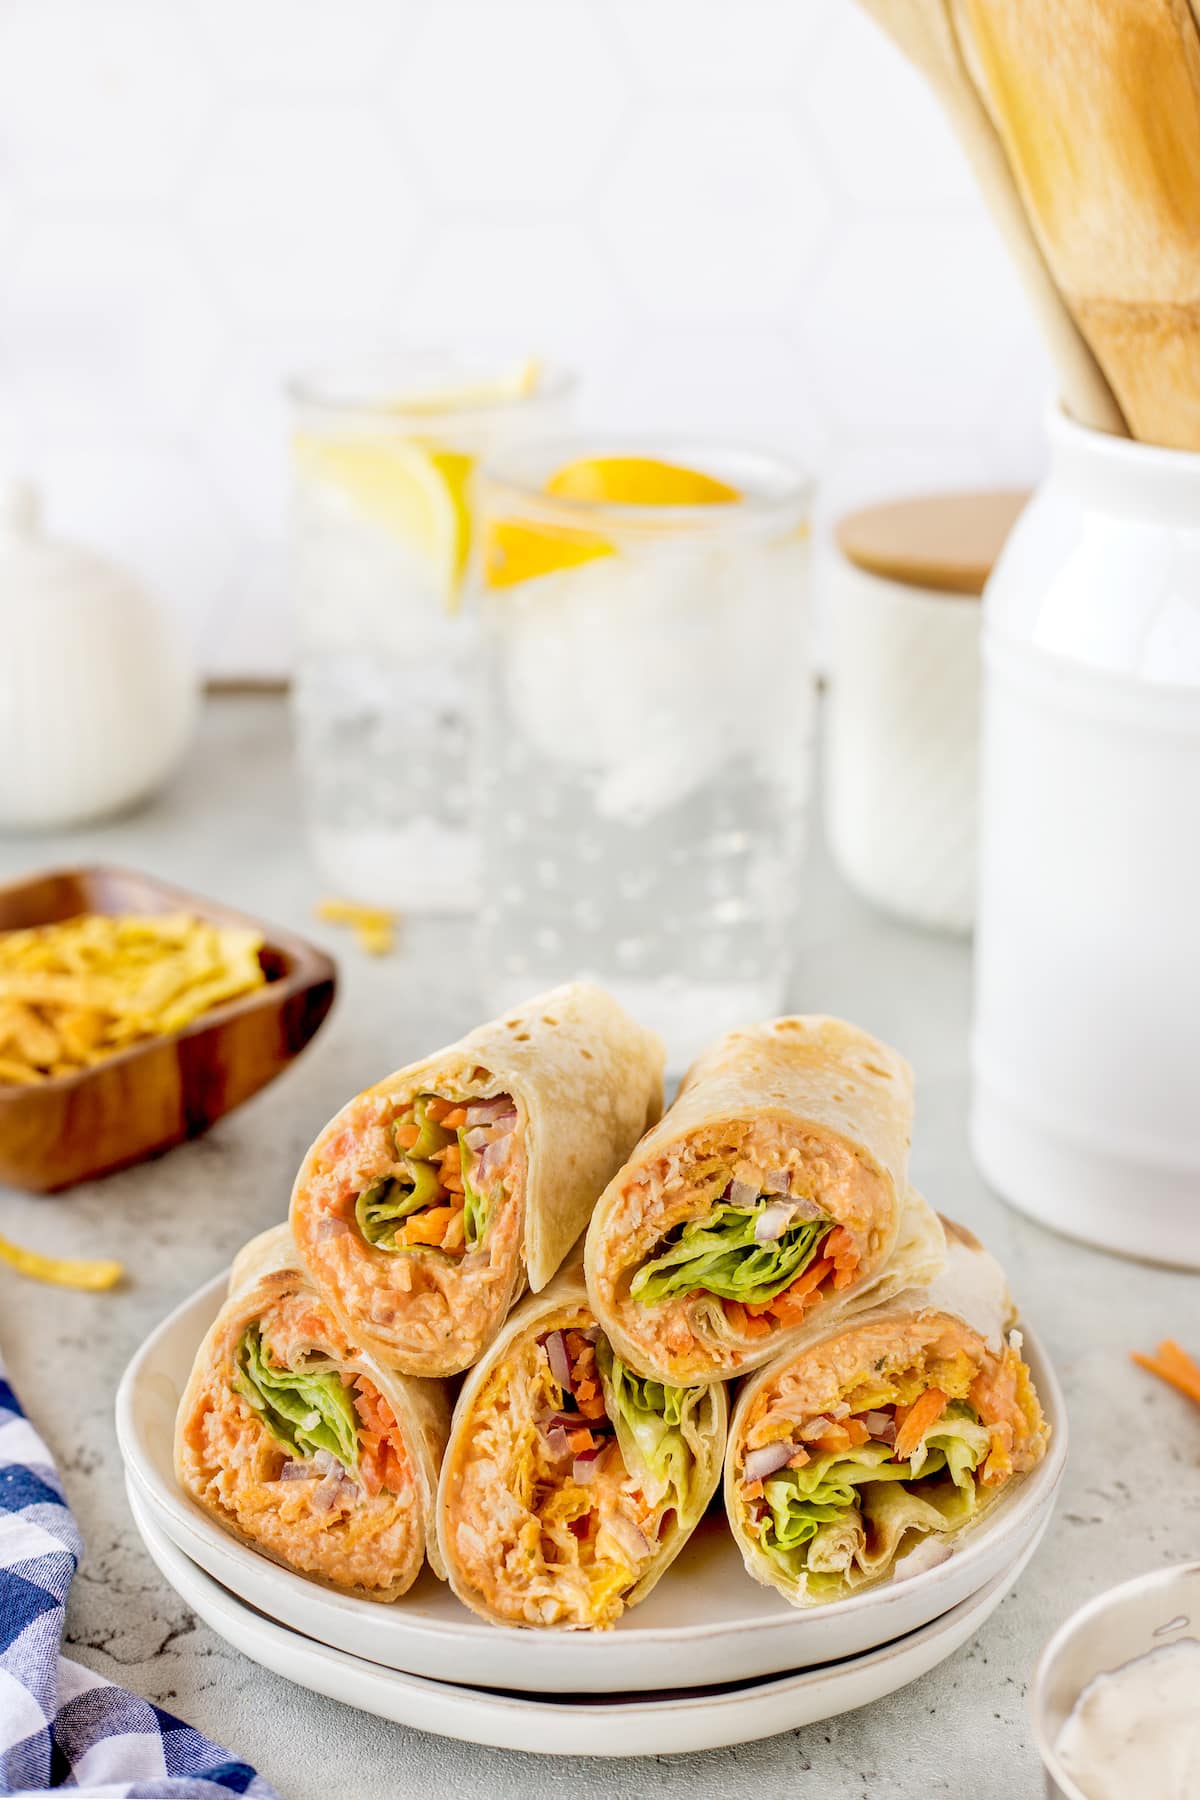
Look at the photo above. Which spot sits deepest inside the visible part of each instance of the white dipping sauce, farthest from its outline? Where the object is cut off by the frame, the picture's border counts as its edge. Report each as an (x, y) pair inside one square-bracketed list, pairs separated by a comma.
[(1135, 1731)]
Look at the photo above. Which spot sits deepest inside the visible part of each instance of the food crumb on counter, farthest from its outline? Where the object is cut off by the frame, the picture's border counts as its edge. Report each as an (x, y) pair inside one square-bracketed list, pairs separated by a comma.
[(374, 927)]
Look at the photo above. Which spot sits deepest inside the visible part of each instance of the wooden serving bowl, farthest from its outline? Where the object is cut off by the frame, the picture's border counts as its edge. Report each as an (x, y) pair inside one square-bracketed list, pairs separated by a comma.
[(143, 1100)]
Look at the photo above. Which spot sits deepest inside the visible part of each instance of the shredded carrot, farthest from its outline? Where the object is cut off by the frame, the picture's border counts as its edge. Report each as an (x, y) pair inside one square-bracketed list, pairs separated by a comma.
[(450, 1158), (798, 1460), (455, 1235), (405, 1133), (436, 1108), (1172, 1364), (579, 1440), (428, 1227), (836, 1438), (918, 1419), (744, 1319), (856, 1431), (842, 1251), (753, 1490), (790, 1306), (456, 1117)]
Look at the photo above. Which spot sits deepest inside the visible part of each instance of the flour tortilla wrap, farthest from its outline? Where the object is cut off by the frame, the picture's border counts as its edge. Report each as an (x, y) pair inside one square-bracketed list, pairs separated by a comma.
[(433, 1199), (868, 1451), (772, 1195), (513, 1487), (302, 1446)]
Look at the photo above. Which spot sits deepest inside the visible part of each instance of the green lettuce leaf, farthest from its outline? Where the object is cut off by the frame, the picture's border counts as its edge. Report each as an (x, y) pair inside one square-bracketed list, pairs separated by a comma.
[(305, 1412), (719, 1255), (658, 1430), (836, 1490)]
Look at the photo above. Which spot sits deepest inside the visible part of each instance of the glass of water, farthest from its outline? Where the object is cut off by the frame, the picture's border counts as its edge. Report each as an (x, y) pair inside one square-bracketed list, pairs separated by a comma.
[(384, 461), (645, 728)]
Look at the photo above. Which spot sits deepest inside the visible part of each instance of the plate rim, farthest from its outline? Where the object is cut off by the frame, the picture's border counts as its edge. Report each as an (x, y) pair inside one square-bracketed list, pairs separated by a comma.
[(649, 1701), (1038, 1488)]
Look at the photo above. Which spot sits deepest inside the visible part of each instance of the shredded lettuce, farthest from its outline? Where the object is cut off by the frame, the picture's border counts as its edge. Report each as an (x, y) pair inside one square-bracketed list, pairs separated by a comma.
[(658, 1430), (718, 1254), (305, 1412), (477, 1207), (810, 1508), (385, 1203)]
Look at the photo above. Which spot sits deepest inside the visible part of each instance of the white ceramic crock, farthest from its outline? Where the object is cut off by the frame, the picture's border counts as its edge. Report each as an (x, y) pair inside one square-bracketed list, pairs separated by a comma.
[(1086, 1044), (96, 698)]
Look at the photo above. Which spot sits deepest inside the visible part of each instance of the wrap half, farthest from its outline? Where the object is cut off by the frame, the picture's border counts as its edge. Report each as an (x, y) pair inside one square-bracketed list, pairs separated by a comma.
[(570, 1485), (772, 1194), (869, 1450), (302, 1446), (429, 1203)]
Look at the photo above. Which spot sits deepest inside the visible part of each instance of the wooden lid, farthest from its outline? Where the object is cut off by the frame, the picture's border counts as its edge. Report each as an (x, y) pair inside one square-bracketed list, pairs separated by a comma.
[(944, 541)]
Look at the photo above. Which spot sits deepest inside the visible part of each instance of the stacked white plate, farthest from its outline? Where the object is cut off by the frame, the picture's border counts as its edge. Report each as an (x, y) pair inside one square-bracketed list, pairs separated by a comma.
[(709, 1659)]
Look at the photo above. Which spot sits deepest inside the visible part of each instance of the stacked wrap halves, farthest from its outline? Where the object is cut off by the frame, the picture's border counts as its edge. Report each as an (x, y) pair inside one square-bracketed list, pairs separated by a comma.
[(764, 1227)]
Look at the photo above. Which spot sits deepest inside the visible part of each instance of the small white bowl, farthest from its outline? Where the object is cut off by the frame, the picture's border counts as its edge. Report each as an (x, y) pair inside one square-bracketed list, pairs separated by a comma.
[(1124, 1622)]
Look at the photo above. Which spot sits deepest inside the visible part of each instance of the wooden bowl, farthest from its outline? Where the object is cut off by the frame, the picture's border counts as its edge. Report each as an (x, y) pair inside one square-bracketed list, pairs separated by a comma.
[(143, 1100)]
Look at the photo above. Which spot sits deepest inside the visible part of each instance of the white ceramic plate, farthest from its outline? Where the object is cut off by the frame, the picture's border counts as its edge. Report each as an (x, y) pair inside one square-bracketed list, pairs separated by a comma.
[(705, 1622), (664, 1724)]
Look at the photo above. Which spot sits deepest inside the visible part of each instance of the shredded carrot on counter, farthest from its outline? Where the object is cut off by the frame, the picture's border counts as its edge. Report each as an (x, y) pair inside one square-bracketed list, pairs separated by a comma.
[(1173, 1364)]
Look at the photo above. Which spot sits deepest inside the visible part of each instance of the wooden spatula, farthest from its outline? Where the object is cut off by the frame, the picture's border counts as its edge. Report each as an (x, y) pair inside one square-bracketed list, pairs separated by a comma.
[(924, 32), (1098, 106)]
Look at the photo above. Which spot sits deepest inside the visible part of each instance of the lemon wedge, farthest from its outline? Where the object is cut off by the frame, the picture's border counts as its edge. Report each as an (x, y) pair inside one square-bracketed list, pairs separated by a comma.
[(516, 550), (414, 491), (472, 396), (637, 481)]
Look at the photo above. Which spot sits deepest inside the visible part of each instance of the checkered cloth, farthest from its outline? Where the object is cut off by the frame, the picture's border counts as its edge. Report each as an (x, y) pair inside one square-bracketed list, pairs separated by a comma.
[(61, 1726)]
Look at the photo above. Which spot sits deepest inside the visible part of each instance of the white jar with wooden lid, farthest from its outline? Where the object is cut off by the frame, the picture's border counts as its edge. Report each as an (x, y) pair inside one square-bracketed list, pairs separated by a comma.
[(1086, 1046), (903, 717)]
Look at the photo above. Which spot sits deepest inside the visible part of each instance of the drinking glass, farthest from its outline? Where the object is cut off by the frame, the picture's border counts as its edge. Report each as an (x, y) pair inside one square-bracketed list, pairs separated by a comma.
[(645, 731), (384, 461)]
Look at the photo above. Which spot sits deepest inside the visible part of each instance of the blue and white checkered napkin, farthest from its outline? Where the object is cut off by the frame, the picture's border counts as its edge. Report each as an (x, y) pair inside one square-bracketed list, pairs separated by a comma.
[(61, 1726)]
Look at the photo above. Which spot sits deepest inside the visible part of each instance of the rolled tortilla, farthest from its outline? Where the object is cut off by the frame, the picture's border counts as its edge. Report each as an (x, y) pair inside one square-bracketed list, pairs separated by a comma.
[(772, 1194), (569, 1486), (429, 1203), (868, 1451), (302, 1446)]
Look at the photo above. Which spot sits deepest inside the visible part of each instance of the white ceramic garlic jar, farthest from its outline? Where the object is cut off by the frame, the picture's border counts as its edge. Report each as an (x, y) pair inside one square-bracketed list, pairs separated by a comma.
[(1086, 1043), (96, 698)]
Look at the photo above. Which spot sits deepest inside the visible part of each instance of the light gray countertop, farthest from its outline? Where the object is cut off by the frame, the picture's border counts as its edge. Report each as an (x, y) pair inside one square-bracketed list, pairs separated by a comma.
[(230, 827)]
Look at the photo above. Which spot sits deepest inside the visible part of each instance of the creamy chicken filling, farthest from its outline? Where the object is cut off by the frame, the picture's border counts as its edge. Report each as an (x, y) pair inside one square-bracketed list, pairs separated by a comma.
[(575, 1470)]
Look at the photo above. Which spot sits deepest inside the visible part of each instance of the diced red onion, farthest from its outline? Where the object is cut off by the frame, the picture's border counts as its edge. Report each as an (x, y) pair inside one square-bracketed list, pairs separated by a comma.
[(881, 1425), (743, 1193), (332, 1228), (584, 1469), (773, 1221), (297, 1471), (761, 1463), (327, 1490), (490, 1112), (478, 1137), (556, 1440), (627, 1535), (592, 1334), (815, 1428), (326, 1462), (492, 1156), (777, 1182), (563, 1421), (560, 1362)]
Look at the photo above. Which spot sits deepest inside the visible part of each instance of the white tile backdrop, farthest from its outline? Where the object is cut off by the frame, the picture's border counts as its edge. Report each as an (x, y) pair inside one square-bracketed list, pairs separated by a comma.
[(742, 216)]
